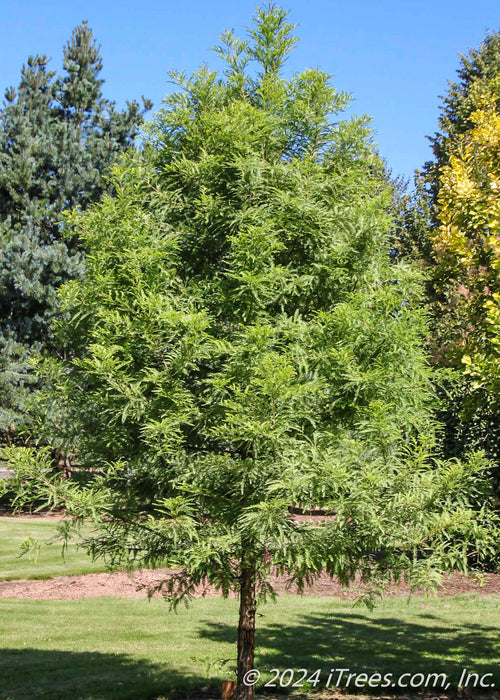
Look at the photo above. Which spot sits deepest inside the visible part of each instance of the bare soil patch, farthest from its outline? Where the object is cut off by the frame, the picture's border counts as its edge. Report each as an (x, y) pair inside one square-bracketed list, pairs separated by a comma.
[(140, 583)]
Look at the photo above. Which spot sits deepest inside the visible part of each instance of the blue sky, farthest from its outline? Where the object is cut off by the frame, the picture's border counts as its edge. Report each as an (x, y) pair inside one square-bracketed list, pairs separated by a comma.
[(394, 57)]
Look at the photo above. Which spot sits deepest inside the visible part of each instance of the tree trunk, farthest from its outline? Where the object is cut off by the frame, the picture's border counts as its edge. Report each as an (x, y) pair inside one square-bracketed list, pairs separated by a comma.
[(246, 631)]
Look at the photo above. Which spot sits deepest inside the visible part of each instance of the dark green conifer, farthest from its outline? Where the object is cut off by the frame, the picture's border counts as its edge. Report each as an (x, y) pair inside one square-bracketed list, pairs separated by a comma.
[(58, 138)]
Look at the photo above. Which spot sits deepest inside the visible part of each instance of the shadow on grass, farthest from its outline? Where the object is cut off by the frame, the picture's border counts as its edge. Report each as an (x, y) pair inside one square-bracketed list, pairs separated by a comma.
[(368, 644), (359, 641), (64, 675)]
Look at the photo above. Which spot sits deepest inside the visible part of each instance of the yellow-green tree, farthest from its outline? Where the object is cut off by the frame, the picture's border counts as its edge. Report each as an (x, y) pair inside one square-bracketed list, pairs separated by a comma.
[(467, 244), (450, 225)]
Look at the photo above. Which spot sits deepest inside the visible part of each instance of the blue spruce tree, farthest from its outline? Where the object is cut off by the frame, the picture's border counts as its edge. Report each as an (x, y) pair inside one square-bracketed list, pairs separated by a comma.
[(58, 138)]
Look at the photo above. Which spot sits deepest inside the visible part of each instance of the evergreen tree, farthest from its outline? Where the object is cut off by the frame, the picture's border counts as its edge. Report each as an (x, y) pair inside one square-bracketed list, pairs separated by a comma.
[(410, 222), (58, 139), (416, 214), (459, 104), (243, 348)]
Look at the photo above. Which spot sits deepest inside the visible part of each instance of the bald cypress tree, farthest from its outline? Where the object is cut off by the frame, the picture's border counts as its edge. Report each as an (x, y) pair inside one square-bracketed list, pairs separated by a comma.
[(58, 138), (243, 349)]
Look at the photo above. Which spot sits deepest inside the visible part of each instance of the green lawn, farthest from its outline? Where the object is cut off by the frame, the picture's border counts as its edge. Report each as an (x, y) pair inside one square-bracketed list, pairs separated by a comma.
[(106, 648), (49, 562)]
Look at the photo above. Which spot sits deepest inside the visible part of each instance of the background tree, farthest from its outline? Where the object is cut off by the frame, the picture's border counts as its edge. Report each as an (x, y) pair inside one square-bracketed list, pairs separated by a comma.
[(411, 214), (467, 254), (58, 139), (242, 347), (455, 248), (460, 102), (416, 213)]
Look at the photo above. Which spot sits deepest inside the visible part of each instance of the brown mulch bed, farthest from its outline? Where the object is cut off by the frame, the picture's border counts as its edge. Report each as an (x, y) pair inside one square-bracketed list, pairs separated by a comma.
[(137, 585), (7, 512)]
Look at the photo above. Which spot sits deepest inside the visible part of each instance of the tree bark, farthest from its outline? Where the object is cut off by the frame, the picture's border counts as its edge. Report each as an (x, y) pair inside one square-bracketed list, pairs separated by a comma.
[(246, 630)]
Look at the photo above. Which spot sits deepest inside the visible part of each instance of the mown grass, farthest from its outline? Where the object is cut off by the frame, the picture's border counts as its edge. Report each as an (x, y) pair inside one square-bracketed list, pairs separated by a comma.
[(45, 563), (98, 649)]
